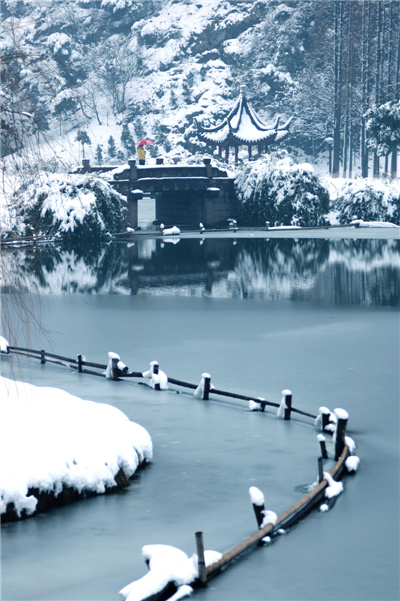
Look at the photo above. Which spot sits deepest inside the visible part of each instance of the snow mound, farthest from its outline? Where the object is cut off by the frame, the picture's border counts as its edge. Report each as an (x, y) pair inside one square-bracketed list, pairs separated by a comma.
[(50, 439), (166, 564)]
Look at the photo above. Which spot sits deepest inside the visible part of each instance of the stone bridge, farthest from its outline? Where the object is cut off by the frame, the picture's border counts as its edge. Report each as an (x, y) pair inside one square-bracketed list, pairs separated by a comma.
[(185, 195)]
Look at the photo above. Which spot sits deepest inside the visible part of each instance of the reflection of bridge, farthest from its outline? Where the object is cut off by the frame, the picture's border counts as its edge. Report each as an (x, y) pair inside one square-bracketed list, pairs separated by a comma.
[(185, 194)]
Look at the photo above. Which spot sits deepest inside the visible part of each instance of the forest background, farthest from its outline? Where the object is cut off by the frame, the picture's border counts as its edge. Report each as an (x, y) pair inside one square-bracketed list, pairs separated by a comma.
[(99, 75)]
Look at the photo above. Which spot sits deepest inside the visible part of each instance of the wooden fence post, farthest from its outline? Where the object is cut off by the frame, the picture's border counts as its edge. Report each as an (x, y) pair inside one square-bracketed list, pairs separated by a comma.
[(200, 559), (80, 364), (42, 357), (340, 432), (320, 470), (321, 440), (288, 404), (325, 416), (115, 369), (257, 499), (155, 371), (207, 386)]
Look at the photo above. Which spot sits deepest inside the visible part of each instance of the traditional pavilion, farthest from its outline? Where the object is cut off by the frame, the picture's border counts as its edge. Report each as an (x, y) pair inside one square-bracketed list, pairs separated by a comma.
[(243, 127)]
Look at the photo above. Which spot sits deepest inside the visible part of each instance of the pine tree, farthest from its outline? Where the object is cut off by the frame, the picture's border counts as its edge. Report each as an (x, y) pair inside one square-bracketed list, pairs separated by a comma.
[(383, 128), (127, 141), (99, 154), (83, 138), (112, 149)]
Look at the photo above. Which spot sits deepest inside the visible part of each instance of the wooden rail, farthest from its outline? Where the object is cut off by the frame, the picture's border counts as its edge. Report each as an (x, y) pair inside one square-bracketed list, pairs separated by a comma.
[(285, 519)]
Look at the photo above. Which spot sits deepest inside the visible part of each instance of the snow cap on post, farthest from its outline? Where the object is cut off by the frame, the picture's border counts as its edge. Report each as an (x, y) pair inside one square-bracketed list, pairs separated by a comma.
[(113, 359), (256, 496), (257, 499), (4, 345), (286, 405), (203, 389)]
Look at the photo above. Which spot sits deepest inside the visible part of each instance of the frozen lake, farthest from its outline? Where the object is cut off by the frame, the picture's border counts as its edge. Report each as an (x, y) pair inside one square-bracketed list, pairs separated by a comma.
[(318, 316)]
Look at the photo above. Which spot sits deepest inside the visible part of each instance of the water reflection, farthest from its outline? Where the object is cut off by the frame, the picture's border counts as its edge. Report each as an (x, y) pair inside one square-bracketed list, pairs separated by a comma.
[(362, 272)]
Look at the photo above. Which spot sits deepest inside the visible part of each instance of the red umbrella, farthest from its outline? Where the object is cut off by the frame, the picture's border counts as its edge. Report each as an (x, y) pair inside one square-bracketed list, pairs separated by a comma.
[(144, 142)]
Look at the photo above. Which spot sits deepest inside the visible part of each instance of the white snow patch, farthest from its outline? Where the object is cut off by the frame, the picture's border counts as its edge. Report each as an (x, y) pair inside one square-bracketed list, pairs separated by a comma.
[(111, 356), (199, 392), (4, 345), (352, 463), (351, 445), (160, 378), (283, 406), (166, 564), (256, 496), (334, 488), (270, 517)]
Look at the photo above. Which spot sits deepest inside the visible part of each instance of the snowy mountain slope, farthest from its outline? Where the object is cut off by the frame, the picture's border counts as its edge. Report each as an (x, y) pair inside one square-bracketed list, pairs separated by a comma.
[(154, 66)]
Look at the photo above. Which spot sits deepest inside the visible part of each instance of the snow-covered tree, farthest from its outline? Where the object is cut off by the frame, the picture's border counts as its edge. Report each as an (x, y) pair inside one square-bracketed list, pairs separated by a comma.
[(383, 129), (99, 154), (111, 148), (78, 209), (368, 200), (127, 140), (83, 138), (279, 192)]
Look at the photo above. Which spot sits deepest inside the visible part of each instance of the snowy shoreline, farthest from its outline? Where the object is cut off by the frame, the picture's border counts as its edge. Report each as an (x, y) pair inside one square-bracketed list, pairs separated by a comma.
[(56, 448)]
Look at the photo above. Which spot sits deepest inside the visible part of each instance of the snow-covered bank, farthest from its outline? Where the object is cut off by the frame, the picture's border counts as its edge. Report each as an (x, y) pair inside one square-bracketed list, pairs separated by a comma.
[(52, 442)]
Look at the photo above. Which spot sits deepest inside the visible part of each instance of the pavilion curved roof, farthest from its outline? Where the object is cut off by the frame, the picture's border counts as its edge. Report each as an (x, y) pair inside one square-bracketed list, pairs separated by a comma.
[(243, 126)]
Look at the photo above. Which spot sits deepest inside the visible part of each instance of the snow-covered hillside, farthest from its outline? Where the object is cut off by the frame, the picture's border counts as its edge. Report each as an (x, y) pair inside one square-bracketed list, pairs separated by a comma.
[(90, 79)]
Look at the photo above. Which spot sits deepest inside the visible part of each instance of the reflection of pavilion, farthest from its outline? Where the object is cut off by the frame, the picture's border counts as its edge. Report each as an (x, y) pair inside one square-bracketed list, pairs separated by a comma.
[(243, 127)]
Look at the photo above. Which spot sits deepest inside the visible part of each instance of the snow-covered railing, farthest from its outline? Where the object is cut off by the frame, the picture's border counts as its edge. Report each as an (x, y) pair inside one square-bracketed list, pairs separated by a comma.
[(274, 526), (207, 564), (180, 575), (116, 370)]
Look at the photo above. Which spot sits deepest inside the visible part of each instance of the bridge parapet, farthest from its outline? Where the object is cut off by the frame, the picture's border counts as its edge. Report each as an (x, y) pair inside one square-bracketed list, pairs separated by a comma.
[(158, 171), (185, 194)]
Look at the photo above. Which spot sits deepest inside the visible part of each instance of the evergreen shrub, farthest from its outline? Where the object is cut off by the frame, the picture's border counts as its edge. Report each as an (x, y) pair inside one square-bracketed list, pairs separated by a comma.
[(369, 200), (278, 192), (77, 209)]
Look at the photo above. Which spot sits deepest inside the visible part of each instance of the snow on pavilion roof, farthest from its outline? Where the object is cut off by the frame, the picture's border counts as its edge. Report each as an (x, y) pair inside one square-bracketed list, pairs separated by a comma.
[(243, 126)]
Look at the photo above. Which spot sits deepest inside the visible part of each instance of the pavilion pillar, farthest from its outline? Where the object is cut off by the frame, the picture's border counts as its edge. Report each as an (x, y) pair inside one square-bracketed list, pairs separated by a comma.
[(227, 152), (236, 153), (249, 147), (220, 151)]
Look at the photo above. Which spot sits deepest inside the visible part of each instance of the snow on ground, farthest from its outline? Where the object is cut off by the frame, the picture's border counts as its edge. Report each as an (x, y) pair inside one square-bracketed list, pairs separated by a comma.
[(90, 442)]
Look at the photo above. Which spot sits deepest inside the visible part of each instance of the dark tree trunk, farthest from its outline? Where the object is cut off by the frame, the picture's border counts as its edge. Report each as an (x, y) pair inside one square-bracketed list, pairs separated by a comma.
[(338, 87)]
